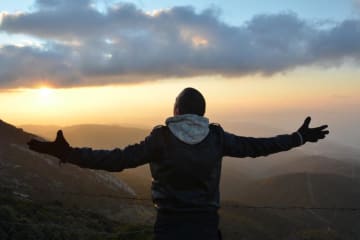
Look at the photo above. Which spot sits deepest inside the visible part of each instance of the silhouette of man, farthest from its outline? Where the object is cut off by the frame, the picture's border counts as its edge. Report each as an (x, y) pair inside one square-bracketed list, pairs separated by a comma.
[(185, 159)]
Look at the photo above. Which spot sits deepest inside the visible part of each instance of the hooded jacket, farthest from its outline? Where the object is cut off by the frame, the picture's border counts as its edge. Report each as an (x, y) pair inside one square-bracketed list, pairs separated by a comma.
[(185, 159)]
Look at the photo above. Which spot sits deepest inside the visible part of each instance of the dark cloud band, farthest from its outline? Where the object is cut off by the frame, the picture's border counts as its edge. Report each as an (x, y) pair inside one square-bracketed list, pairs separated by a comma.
[(85, 46)]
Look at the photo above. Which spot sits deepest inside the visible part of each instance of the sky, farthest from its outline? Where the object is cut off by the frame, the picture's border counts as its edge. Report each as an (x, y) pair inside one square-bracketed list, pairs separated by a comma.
[(65, 62)]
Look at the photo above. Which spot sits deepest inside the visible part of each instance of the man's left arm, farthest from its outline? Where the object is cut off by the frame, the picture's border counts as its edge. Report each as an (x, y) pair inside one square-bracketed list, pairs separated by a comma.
[(237, 146)]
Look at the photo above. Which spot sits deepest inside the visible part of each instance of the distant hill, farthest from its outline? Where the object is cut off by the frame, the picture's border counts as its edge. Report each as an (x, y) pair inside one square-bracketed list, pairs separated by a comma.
[(317, 164), (333, 150), (305, 189)]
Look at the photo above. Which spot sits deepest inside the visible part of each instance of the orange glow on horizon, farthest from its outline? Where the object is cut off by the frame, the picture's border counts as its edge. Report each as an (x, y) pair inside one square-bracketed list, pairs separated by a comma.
[(152, 102)]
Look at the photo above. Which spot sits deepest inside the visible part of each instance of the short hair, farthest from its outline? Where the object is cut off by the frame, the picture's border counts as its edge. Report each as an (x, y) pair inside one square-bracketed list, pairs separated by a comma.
[(190, 101)]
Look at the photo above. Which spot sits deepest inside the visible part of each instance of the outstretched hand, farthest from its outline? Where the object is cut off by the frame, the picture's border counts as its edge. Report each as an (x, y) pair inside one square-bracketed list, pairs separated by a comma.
[(312, 134), (58, 148)]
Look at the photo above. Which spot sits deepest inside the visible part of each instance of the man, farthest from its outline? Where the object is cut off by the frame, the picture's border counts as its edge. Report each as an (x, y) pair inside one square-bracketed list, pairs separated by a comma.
[(185, 160)]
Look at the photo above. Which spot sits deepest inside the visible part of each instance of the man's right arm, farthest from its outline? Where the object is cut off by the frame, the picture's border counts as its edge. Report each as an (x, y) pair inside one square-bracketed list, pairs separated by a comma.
[(116, 159), (110, 160)]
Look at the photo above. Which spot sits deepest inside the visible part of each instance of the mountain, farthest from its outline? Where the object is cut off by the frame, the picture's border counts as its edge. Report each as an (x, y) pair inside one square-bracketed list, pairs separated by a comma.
[(317, 164), (11, 134), (304, 189), (239, 172), (299, 177), (333, 150), (39, 177)]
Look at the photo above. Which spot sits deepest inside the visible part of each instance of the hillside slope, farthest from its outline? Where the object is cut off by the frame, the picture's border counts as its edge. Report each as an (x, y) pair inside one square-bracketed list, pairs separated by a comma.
[(39, 177), (21, 219)]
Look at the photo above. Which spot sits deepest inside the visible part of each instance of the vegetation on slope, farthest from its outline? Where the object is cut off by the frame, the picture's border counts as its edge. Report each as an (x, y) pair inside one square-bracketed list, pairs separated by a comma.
[(27, 220)]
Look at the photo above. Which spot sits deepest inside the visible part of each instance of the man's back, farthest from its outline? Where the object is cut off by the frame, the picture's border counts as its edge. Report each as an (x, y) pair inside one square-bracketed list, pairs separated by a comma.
[(186, 176)]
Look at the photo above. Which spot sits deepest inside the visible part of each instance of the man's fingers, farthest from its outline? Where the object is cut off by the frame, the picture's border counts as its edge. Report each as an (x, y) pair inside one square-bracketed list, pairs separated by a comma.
[(59, 135), (323, 134), (60, 138), (307, 122), (321, 128)]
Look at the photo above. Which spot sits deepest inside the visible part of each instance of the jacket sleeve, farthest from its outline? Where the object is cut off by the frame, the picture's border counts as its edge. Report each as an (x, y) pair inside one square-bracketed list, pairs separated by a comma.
[(237, 146), (118, 159)]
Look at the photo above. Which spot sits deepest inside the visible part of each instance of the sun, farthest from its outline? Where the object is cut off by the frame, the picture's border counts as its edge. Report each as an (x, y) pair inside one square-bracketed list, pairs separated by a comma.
[(45, 92), (44, 96)]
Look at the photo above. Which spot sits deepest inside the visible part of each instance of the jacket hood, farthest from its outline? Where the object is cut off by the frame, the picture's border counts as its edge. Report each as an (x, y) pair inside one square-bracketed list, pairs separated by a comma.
[(189, 128)]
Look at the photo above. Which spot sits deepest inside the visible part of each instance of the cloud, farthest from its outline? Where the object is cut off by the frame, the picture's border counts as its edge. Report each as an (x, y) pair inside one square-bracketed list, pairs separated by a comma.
[(84, 46), (357, 4)]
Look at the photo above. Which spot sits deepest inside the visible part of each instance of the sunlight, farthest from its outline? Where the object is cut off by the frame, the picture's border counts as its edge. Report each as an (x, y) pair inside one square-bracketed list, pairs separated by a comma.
[(2, 14), (46, 98), (199, 41), (45, 92)]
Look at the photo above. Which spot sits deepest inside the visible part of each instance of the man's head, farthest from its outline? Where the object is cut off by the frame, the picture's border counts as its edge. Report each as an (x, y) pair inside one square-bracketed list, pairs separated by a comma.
[(190, 101)]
